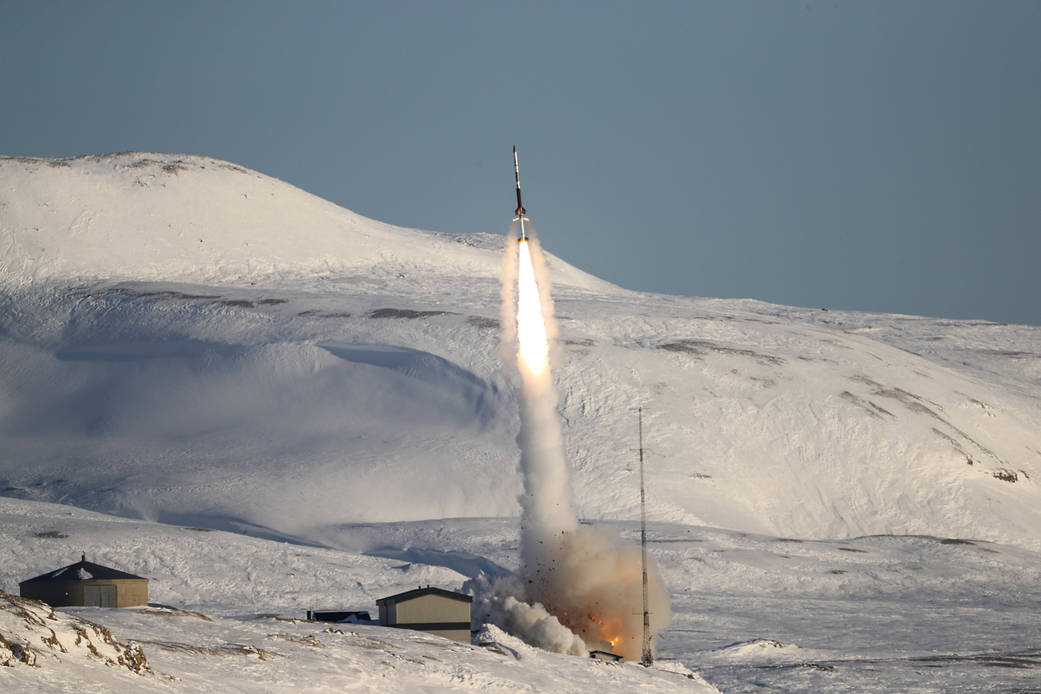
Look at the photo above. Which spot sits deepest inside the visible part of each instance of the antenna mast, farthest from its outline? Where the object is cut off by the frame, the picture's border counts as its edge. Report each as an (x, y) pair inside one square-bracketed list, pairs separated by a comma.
[(648, 656)]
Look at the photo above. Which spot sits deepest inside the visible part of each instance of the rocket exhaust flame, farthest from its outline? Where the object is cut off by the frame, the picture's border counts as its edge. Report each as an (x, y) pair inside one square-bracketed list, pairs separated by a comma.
[(531, 327), (577, 587)]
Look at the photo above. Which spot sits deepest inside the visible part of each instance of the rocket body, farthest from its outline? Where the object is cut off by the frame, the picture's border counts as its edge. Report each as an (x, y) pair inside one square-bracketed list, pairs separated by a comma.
[(519, 212)]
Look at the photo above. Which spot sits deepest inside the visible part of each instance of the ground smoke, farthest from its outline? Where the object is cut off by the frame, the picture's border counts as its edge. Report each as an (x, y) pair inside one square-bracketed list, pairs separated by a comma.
[(577, 588)]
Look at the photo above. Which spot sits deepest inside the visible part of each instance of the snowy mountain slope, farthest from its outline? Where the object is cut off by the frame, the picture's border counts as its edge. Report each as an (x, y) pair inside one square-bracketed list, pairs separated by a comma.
[(773, 411), (998, 353), (140, 215), (871, 614), (276, 390)]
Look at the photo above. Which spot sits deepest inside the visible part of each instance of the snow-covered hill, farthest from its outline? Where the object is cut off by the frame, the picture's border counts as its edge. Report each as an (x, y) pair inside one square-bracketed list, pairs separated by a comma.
[(144, 216), (185, 340)]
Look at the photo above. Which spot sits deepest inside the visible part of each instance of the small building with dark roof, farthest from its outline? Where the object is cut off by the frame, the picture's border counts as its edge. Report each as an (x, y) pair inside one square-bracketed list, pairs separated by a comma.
[(86, 584), (433, 610)]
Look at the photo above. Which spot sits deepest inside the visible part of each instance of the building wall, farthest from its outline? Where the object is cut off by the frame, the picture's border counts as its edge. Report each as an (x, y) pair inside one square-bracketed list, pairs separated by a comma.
[(388, 615), (434, 614), (432, 608), (54, 593), (129, 591)]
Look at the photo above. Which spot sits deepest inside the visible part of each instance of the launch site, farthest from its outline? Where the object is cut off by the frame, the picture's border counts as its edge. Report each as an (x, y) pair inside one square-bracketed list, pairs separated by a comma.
[(682, 394)]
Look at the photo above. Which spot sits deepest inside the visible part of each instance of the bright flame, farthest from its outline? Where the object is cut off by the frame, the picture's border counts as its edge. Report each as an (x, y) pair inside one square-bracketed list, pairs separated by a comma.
[(533, 347)]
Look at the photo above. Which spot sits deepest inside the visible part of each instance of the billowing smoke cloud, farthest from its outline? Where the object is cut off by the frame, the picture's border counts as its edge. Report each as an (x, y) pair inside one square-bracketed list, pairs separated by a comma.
[(497, 603), (577, 586)]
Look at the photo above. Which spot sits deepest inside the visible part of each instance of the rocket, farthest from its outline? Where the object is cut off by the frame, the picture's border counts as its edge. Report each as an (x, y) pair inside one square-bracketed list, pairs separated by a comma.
[(520, 206), (516, 177)]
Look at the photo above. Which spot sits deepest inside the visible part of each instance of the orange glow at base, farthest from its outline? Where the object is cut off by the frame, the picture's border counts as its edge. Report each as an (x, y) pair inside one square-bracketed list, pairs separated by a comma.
[(533, 348), (603, 628)]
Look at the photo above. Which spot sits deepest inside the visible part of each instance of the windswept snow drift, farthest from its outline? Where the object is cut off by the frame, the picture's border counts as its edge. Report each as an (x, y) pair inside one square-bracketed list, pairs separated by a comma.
[(186, 340)]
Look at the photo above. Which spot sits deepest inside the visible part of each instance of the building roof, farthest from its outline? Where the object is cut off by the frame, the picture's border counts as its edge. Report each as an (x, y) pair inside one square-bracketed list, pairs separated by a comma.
[(83, 570), (419, 592)]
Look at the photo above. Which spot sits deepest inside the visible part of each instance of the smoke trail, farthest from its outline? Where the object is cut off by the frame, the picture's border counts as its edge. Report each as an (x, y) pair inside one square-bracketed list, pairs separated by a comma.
[(577, 587), (546, 514)]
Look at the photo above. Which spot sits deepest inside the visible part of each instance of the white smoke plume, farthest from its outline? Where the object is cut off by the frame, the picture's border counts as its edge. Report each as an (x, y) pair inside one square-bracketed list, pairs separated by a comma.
[(497, 603), (577, 587)]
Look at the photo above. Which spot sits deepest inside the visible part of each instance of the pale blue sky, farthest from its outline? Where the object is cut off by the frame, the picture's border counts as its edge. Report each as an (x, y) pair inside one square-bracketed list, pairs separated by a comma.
[(883, 156)]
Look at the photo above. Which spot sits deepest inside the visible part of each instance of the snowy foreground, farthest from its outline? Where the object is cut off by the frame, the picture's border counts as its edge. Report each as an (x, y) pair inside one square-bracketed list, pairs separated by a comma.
[(838, 501), (238, 622), (872, 614)]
